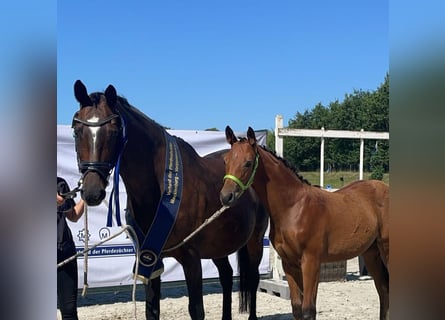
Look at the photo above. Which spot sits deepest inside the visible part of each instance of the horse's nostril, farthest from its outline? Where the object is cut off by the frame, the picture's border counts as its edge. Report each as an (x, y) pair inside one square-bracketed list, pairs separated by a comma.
[(92, 201), (94, 198), (227, 199)]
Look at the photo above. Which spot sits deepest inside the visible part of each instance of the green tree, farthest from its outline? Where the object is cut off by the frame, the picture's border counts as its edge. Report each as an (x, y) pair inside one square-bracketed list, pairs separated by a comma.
[(367, 110), (376, 161)]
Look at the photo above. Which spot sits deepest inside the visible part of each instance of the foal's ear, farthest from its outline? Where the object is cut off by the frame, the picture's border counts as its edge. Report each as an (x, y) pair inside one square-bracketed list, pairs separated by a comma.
[(251, 136), (81, 94), (111, 95), (230, 136)]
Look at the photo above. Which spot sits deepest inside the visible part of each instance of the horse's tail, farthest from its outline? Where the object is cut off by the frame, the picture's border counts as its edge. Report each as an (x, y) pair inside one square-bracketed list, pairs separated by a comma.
[(244, 279)]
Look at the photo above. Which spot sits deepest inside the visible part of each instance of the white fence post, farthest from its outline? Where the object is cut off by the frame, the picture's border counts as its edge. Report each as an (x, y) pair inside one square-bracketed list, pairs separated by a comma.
[(274, 258), (278, 139), (362, 148), (322, 158)]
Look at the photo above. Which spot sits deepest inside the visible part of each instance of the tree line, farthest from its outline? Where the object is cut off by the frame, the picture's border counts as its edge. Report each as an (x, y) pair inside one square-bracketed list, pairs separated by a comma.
[(367, 110)]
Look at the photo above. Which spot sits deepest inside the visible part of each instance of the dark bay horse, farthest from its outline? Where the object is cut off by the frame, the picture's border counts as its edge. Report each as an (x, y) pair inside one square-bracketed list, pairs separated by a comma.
[(109, 131), (310, 225)]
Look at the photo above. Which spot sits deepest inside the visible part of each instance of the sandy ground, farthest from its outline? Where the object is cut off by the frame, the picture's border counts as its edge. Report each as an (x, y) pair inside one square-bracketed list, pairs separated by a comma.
[(354, 298)]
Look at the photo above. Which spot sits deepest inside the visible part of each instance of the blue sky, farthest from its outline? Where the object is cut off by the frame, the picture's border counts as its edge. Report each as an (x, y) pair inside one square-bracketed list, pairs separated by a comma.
[(195, 65)]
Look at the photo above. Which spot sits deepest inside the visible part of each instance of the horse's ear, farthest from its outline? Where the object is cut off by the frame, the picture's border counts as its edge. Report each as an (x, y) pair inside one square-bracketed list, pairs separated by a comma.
[(230, 136), (81, 94), (251, 136), (111, 95)]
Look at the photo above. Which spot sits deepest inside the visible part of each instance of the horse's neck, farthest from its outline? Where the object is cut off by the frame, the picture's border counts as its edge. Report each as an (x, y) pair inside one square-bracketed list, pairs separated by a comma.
[(142, 169), (276, 184), (144, 150)]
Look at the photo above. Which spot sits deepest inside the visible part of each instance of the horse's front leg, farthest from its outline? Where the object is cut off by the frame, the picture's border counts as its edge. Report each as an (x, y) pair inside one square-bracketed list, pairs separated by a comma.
[(254, 255), (191, 263), (225, 272), (152, 298), (295, 282), (310, 266)]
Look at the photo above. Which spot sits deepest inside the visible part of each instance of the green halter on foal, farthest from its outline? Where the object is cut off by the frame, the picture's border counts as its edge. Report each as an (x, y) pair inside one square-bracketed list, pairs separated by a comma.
[(243, 186)]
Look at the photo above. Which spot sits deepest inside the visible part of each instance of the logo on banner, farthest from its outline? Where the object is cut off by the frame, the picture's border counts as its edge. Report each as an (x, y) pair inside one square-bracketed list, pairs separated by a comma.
[(104, 233), (82, 234)]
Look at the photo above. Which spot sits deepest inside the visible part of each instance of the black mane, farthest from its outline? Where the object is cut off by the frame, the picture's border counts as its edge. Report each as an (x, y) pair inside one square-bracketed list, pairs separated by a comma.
[(288, 165), (124, 106), (127, 107)]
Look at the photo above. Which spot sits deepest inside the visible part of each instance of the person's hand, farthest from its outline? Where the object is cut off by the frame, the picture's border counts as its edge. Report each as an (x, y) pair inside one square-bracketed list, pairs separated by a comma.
[(60, 199)]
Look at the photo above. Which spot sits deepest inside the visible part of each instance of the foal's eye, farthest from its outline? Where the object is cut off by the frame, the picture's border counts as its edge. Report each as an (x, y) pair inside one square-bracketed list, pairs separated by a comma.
[(248, 164)]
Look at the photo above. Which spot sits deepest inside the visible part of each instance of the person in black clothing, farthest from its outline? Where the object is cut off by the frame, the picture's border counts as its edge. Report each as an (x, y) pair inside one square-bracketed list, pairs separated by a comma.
[(67, 273)]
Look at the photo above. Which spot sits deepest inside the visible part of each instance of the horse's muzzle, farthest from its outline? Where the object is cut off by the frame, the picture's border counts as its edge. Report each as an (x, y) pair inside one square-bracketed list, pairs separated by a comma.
[(93, 189), (228, 198)]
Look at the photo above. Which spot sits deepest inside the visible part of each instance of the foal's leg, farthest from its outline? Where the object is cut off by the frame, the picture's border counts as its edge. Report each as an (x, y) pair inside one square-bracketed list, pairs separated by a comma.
[(225, 272), (383, 240), (152, 298), (191, 263), (295, 282), (310, 265), (376, 268), (254, 253)]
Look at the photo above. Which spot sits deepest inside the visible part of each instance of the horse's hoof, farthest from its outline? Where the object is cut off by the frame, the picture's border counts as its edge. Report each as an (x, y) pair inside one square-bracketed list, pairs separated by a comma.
[(309, 314)]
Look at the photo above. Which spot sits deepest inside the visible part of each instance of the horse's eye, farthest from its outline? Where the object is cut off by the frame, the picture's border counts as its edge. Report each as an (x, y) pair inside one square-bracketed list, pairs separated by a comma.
[(248, 164), (114, 132)]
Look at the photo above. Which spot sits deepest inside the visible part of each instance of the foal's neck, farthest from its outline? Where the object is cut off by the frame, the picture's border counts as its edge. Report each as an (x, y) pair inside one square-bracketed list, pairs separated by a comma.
[(276, 183), (277, 171)]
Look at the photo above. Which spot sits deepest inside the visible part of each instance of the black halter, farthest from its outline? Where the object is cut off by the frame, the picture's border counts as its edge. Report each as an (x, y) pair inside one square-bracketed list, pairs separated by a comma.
[(101, 167)]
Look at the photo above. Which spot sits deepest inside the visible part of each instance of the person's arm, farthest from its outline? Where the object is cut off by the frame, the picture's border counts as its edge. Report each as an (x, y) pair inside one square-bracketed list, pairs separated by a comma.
[(60, 200), (76, 211)]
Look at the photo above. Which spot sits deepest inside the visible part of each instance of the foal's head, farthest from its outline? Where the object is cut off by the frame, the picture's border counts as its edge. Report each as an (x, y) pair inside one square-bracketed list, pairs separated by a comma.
[(241, 163), (98, 131)]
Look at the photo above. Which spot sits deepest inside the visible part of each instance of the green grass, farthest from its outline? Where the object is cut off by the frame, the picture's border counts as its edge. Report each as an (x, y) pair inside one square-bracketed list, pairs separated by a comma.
[(333, 178)]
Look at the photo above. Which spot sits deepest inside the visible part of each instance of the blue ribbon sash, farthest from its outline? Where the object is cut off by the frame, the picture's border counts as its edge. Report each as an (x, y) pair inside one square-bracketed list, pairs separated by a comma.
[(150, 260)]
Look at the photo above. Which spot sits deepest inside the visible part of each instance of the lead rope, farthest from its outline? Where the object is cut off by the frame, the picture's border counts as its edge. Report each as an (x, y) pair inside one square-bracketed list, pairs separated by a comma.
[(85, 254), (206, 222), (136, 267)]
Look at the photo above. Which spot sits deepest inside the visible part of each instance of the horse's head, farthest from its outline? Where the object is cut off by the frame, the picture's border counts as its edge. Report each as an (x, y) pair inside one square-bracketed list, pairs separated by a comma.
[(98, 131), (241, 163)]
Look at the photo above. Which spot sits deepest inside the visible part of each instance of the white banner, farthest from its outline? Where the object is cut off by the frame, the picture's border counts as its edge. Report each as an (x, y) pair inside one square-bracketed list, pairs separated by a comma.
[(111, 264)]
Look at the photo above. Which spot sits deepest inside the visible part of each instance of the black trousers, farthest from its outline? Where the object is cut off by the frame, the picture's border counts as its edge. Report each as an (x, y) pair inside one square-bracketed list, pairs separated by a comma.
[(67, 290)]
